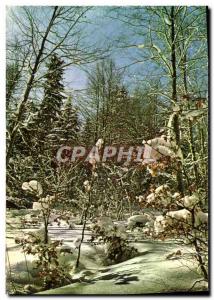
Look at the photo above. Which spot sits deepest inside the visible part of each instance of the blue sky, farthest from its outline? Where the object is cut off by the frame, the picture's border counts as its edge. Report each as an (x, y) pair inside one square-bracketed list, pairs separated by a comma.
[(104, 30), (107, 30)]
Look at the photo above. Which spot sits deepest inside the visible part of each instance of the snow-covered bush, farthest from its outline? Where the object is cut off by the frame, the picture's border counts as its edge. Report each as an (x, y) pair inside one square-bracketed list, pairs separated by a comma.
[(33, 186), (114, 237), (159, 225), (182, 217), (201, 218), (164, 146), (47, 259), (44, 205), (161, 197)]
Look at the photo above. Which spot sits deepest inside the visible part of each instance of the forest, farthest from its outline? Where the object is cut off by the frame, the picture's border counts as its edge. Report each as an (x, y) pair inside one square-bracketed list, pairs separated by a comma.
[(107, 149)]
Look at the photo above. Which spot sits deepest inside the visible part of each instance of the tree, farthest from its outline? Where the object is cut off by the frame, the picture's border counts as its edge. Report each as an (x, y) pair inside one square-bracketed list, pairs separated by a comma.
[(69, 123), (49, 111), (12, 77), (162, 31), (15, 65), (145, 119), (103, 87), (42, 41), (110, 104)]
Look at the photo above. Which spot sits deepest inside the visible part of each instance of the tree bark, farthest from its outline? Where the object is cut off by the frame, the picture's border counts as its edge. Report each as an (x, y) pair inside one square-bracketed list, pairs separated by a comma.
[(192, 146), (176, 124)]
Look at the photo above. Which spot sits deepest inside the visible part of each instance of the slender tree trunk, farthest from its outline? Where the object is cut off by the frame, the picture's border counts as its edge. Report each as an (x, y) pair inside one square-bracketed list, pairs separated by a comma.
[(82, 238), (192, 145), (46, 234), (83, 229), (174, 98), (97, 114), (29, 88), (45, 220), (198, 250)]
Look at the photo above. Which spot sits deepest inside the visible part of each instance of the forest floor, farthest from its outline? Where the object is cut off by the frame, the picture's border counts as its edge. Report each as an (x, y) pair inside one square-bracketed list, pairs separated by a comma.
[(148, 273)]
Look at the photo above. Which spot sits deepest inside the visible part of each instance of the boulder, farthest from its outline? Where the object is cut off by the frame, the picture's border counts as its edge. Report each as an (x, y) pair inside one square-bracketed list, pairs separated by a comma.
[(138, 220)]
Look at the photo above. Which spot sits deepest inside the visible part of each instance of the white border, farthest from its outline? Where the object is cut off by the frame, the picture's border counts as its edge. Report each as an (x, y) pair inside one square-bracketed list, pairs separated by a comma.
[(109, 2)]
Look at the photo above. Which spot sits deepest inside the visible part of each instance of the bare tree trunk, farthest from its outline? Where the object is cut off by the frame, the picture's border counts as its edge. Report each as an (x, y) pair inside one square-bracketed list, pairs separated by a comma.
[(83, 232), (82, 238), (97, 114), (174, 98), (197, 249), (192, 145), (45, 222), (84, 225), (46, 233)]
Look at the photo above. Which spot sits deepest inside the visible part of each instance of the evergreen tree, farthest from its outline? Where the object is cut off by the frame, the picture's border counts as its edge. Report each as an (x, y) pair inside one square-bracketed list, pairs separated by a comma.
[(89, 130), (65, 131), (49, 111), (70, 122)]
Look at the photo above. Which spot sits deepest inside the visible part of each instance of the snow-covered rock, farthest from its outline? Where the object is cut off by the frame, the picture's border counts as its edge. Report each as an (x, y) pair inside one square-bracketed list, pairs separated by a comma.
[(138, 220)]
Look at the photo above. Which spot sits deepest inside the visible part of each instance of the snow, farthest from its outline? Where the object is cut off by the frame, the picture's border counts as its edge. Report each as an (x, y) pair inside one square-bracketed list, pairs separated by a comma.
[(150, 272)]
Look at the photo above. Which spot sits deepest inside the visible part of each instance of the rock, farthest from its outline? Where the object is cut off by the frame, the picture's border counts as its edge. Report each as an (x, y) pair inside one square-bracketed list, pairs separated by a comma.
[(178, 215), (138, 220), (174, 254), (200, 217), (63, 223)]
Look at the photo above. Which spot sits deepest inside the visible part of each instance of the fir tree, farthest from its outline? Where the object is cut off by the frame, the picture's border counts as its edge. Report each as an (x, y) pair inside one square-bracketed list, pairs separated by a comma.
[(66, 127), (53, 99), (70, 122)]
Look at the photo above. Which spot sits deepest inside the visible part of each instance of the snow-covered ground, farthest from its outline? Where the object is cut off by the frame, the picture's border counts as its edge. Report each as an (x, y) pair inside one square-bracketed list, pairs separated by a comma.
[(150, 272)]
